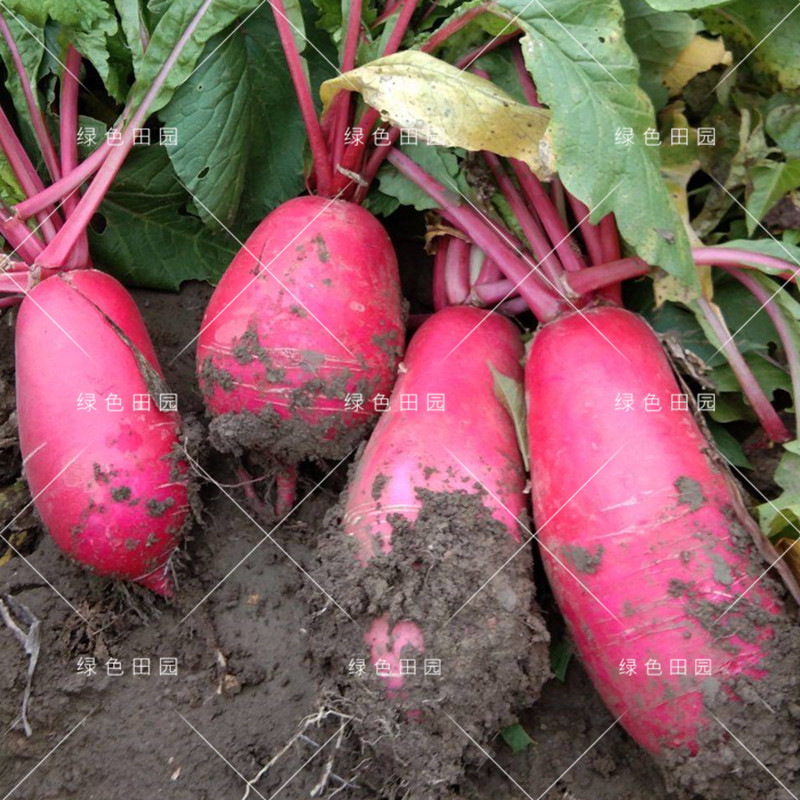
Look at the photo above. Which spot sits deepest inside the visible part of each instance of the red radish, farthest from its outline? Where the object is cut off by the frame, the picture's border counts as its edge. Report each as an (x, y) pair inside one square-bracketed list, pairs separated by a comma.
[(110, 486), (638, 523), (470, 446), (649, 550), (308, 312), (107, 478)]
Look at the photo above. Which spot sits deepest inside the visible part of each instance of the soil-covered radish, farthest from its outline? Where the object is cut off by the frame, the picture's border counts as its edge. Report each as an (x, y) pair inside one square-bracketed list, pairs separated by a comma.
[(657, 567), (307, 325), (104, 464), (110, 485), (431, 514), (644, 545), (308, 313)]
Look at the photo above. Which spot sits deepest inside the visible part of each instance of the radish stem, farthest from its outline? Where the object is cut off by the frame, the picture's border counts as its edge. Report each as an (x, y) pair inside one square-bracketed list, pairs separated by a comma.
[(440, 35), (589, 232), (439, 262), (591, 279), (37, 118), (69, 144), (341, 111), (767, 416), (526, 82), (319, 149), (781, 326), (734, 257), (456, 272), (43, 198), (57, 252), (536, 237), (548, 214), (544, 304)]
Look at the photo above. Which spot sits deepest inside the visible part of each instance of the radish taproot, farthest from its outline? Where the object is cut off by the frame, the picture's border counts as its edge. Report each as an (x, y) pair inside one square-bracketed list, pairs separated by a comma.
[(309, 314), (110, 485), (651, 555), (104, 463), (432, 511)]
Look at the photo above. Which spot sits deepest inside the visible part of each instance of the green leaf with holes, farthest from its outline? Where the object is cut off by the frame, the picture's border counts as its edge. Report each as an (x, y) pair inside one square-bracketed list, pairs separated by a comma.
[(588, 75), (145, 235)]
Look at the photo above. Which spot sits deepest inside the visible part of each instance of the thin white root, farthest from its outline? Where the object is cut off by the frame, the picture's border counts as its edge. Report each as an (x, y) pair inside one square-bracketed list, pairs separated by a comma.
[(29, 639)]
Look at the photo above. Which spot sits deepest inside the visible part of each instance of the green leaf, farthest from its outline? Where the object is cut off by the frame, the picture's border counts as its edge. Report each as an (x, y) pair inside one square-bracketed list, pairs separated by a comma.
[(511, 394), (170, 27), (766, 32), (516, 737), (149, 239), (10, 190), (781, 517), (132, 20), (587, 74), (771, 181), (657, 38), (442, 164), (783, 125), (728, 445), (560, 655)]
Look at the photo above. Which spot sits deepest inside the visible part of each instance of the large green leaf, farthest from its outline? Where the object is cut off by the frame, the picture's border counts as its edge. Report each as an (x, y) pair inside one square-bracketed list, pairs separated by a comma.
[(657, 38), (771, 180), (171, 26), (149, 239), (766, 32), (587, 74), (783, 125)]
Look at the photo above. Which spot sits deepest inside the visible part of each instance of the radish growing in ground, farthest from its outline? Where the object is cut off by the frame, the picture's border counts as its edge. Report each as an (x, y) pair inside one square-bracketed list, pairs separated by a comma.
[(103, 462), (432, 511), (309, 313), (645, 541)]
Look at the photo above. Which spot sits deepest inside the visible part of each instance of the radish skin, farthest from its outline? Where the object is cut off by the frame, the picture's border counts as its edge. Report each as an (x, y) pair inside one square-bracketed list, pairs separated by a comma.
[(427, 450), (308, 312), (119, 508), (652, 534)]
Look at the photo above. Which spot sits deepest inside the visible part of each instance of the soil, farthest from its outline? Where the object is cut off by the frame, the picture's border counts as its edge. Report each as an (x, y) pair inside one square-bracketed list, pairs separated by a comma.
[(260, 655)]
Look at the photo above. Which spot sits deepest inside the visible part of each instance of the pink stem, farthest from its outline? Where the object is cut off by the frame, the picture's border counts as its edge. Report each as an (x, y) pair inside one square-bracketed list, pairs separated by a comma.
[(544, 304), (440, 35), (319, 149), (489, 272), (456, 272), (589, 232), (439, 261), (609, 238), (400, 28), (43, 198), (548, 215), (512, 307), (536, 237), (734, 257), (5, 302), (612, 273), (558, 198), (495, 292), (69, 144), (25, 173), (782, 328), (15, 282), (286, 490), (20, 237), (247, 485), (57, 252), (526, 82), (376, 158), (37, 118), (768, 417), (342, 110), (473, 55)]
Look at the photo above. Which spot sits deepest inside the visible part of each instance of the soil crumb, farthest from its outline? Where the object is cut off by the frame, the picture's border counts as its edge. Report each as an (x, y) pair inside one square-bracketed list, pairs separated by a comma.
[(480, 626)]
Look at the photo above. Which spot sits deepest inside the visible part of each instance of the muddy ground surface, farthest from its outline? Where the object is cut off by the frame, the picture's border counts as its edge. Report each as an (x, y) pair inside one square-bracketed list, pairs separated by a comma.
[(247, 681)]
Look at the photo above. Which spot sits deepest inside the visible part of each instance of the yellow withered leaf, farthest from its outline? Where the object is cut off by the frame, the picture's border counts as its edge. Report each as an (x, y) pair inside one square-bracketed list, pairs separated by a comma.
[(698, 56), (448, 106)]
